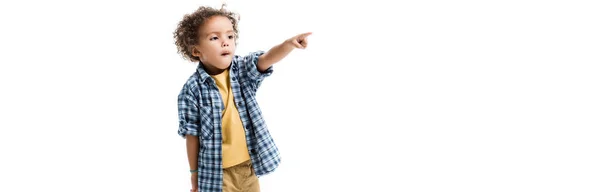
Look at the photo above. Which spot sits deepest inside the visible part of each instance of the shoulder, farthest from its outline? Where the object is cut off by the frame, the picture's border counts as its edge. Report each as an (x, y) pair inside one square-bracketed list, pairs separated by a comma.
[(191, 85)]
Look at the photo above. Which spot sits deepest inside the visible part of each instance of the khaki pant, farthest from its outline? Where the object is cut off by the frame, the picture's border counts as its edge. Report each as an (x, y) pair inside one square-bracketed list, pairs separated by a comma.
[(240, 178)]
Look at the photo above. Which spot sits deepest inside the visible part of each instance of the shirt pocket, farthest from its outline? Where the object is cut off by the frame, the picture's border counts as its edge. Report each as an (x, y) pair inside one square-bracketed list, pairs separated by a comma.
[(206, 122)]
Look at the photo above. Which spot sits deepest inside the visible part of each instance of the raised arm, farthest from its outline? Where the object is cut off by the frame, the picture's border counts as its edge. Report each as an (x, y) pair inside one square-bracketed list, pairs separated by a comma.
[(280, 51)]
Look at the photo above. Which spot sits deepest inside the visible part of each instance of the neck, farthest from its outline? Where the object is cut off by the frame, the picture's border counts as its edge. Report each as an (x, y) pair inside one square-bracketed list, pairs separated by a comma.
[(213, 70)]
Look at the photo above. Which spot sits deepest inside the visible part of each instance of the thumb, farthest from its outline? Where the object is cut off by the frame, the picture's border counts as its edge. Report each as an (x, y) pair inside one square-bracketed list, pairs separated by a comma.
[(296, 43)]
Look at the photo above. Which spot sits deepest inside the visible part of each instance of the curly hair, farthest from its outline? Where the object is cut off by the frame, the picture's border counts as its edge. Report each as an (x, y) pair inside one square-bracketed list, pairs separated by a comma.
[(186, 34)]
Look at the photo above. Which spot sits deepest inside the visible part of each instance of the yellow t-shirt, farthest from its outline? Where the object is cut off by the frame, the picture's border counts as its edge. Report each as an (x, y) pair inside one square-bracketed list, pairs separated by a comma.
[(235, 150)]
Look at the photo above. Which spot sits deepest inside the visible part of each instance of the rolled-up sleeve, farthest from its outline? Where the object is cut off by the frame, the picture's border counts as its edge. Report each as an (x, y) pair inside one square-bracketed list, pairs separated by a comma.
[(249, 64), (188, 113)]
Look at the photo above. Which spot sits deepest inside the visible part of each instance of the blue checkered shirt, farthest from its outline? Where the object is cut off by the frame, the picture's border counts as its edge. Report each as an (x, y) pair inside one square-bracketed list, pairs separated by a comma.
[(200, 107)]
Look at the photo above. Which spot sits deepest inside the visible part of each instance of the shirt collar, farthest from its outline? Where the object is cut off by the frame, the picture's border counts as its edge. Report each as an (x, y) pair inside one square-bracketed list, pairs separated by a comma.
[(204, 75)]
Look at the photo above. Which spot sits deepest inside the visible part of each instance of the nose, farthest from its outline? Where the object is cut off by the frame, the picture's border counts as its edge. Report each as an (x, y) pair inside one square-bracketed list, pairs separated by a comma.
[(225, 44)]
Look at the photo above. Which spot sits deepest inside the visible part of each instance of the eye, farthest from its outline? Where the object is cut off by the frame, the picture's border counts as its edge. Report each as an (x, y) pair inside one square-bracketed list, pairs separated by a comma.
[(231, 37), (213, 38)]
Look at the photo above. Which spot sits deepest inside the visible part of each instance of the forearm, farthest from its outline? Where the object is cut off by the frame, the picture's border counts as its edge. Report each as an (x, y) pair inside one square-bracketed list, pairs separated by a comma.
[(274, 55), (192, 145)]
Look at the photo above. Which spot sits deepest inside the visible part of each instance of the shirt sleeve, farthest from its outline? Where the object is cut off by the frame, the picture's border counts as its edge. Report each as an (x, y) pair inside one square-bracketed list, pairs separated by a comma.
[(250, 67), (188, 113)]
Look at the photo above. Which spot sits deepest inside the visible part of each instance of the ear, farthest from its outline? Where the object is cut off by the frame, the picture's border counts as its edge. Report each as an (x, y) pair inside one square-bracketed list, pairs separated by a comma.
[(196, 52)]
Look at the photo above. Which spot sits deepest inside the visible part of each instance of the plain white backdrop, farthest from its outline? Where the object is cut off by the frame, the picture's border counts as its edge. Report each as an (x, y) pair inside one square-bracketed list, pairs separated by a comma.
[(389, 95)]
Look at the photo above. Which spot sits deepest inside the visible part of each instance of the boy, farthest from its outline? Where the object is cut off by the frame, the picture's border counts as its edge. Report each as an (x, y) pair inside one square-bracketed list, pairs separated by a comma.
[(228, 144)]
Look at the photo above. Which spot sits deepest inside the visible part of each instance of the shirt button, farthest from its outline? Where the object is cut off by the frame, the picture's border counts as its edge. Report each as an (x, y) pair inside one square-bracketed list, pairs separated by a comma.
[(234, 78), (253, 151)]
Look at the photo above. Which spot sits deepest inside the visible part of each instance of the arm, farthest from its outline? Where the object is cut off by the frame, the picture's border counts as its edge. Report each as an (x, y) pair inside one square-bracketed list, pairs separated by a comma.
[(188, 128), (278, 52), (192, 144)]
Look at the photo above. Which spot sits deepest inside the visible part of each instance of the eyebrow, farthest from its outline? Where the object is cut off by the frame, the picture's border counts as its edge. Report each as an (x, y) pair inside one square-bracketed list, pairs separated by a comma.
[(228, 31)]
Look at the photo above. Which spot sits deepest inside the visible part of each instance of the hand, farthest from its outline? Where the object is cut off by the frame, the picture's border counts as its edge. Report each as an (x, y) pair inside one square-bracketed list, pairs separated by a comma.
[(299, 41), (194, 182)]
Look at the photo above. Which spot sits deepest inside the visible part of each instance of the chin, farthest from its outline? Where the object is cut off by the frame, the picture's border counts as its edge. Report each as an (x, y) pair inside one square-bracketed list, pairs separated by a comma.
[(227, 64), (224, 65)]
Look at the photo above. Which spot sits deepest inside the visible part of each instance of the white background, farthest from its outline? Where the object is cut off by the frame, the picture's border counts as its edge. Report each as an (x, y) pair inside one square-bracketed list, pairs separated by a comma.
[(414, 96)]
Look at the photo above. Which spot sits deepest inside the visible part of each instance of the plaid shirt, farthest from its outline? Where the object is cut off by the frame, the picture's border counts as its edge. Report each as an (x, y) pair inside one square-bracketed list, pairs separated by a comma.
[(200, 107)]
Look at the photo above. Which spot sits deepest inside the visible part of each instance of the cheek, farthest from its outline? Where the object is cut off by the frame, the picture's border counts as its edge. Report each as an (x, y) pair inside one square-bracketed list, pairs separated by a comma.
[(209, 49)]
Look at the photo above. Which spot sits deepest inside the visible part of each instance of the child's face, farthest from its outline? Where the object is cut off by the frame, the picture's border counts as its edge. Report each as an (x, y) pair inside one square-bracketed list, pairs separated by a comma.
[(216, 45)]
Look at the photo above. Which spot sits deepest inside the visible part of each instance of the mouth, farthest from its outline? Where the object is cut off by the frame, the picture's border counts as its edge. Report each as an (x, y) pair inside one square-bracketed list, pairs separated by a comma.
[(226, 53)]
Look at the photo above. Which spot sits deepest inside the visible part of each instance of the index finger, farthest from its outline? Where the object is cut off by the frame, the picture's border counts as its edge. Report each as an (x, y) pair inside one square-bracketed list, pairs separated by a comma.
[(304, 35)]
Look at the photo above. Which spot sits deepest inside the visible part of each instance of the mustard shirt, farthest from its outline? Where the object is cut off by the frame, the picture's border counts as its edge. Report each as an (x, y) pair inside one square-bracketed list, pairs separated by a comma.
[(235, 150)]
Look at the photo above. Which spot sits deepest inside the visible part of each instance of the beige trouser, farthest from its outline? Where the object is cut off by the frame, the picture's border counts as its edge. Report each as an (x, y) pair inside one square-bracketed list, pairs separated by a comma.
[(240, 178)]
